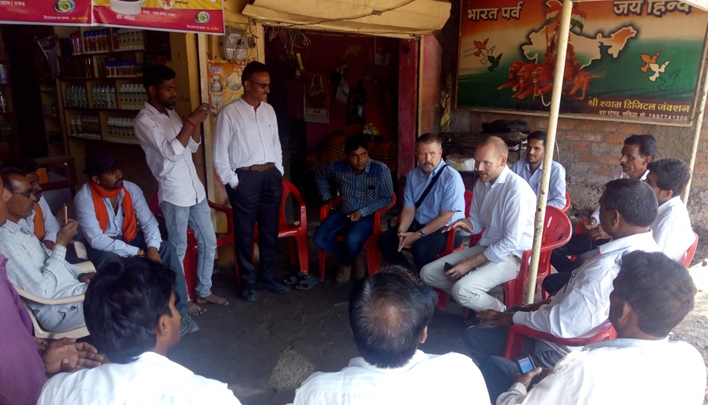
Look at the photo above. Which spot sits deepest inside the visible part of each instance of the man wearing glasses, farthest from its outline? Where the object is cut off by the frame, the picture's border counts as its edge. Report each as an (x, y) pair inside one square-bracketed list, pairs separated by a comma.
[(249, 160)]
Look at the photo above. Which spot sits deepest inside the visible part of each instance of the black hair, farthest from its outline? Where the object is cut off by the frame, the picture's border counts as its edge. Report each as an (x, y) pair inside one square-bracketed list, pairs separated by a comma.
[(123, 304), (355, 142), (5, 172), (428, 138), (633, 199), (659, 289), (25, 165), (671, 174), (388, 313), (156, 74), (251, 69), (646, 143), (537, 135)]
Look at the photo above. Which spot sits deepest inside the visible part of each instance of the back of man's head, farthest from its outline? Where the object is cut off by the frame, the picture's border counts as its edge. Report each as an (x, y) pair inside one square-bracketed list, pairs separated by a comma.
[(24, 165), (646, 143), (659, 290), (671, 174), (388, 314), (354, 143), (633, 199), (123, 304)]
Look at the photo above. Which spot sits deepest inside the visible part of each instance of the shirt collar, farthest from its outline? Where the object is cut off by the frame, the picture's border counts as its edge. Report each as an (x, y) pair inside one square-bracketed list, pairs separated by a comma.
[(623, 343), (527, 165), (674, 201), (501, 179), (154, 110), (13, 227), (418, 357), (636, 240)]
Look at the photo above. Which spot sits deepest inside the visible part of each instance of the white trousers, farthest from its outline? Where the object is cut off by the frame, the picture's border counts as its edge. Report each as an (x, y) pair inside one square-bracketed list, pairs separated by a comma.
[(471, 290)]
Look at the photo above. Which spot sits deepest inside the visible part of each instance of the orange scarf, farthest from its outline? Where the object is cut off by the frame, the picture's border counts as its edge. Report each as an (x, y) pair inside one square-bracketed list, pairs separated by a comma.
[(39, 229), (130, 226)]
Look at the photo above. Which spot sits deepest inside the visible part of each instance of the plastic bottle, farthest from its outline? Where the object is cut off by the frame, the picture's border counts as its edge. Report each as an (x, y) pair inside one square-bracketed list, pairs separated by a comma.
[(3, 103)]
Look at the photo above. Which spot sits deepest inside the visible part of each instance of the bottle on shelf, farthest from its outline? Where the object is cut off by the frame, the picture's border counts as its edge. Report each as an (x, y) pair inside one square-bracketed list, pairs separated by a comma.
[(3, 103)]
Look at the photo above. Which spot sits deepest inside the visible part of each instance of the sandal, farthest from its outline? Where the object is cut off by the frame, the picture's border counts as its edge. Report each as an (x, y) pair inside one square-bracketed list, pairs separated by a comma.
[(307, 281), (295, 278)]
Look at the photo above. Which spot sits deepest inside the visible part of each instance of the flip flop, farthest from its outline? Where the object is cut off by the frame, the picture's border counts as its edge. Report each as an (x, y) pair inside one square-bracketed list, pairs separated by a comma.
[(295, 278), (306, 282)]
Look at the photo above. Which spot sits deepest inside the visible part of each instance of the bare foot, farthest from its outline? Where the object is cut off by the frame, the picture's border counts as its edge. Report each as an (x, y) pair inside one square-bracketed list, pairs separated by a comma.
[(194, 309), (213, 299)]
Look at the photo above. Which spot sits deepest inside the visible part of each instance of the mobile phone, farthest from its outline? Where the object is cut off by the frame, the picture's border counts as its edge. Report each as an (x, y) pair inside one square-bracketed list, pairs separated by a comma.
[(525, 364), (447, 267)]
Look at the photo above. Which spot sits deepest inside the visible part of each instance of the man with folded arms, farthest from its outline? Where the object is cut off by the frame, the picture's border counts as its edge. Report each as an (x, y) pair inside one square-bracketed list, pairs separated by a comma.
[(627, 209), (503, 206), (131, 314), (651, 295), (36, 269), (109, 210), (389, 315)]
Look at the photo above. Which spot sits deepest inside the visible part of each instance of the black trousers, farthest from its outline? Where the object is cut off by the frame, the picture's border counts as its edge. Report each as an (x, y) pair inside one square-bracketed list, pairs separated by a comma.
[(256, 200), (424, 250)]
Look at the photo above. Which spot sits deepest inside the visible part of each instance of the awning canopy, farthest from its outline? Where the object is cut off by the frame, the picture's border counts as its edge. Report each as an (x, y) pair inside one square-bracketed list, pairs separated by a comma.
[(391, 18)]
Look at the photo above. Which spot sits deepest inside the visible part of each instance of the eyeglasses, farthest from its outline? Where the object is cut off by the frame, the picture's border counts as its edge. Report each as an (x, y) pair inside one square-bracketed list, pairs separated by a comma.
[(263, 86), (28, 194)]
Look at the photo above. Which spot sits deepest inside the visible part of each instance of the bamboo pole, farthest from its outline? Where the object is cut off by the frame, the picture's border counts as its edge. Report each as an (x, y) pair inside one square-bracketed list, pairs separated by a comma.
[(696, 135), (550, 147)]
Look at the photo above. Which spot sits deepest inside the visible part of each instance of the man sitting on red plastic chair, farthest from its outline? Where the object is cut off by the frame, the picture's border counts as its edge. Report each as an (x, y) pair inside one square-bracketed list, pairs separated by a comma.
[(627, 209), (503, 206), (365, 186), (651, 295)]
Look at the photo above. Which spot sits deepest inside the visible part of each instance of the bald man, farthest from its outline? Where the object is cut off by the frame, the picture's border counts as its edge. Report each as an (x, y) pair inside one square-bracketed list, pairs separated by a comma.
[(503, 207)]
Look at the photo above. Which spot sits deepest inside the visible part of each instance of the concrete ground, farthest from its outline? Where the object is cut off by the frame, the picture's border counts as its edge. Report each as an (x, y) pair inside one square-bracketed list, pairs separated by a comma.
[(264, 350)]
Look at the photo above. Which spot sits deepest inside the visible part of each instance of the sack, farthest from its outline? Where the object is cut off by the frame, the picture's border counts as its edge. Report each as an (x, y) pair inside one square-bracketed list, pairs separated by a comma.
[(502, 126)]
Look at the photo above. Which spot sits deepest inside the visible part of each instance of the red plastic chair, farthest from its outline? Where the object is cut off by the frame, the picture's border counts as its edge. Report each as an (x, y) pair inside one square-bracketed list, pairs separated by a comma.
[(567, 203), (688, 256), (296, 230), (518, 333), (373, 256)]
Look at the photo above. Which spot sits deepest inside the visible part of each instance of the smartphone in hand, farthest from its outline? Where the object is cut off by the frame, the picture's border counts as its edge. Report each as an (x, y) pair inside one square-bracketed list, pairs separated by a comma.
[(447, 267), (525, 364)]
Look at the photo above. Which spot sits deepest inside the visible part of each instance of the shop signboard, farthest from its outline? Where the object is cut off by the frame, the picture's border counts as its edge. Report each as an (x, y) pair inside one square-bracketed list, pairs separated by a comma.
[(205, 16), (54, 12), (629, 60)]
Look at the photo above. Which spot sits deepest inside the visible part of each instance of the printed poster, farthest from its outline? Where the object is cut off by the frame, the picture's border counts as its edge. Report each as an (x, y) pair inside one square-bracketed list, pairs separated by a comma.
[(54, 12), (202, 16), (635, 59), (224, 83), (317, 97)]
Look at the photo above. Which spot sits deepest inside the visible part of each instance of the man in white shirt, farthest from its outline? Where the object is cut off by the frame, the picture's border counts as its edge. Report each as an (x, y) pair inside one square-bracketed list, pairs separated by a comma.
[(651, 295), (638, 151), (530, 169), (503, 206), (168, 146), (109, 210), (131, 315), (42, 223), (389, 315), (249, 160), (627, 209), (672, 227), (36, 269)]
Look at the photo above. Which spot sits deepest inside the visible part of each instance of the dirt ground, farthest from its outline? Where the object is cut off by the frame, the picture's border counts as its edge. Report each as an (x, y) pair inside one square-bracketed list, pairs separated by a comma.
[(694, 329)]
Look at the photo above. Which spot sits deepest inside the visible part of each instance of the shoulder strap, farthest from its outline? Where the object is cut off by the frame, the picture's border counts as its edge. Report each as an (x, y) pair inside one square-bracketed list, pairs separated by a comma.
[(430, 187)]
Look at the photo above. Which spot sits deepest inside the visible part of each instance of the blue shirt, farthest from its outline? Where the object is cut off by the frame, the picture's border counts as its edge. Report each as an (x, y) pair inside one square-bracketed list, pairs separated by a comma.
[(367, 192), (556, 184), (448, 194)]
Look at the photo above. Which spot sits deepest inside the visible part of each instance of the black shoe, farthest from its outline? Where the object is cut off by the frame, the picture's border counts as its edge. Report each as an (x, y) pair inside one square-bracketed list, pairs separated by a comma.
[(248, 293), (273, 285)]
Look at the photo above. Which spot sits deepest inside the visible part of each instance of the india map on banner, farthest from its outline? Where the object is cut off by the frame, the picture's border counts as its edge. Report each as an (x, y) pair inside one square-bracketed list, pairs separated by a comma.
[(172, 15), (635, 59)]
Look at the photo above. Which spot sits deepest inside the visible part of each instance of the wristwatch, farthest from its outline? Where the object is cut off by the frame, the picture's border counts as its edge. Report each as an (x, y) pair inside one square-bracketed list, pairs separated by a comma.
[(421, 234)]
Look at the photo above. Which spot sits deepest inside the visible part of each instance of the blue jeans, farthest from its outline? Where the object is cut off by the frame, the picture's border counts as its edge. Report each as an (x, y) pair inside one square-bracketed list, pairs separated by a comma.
[(197, 217), (355, 236), (487, 345)]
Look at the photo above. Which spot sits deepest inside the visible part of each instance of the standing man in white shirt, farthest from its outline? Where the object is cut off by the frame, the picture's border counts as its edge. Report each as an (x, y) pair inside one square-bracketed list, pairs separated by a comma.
[(530, 168), (249, 160), (169, 145), (503, 206), (131, 315), (627, 209), (638, 151), (389, 315), (651, 295)]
